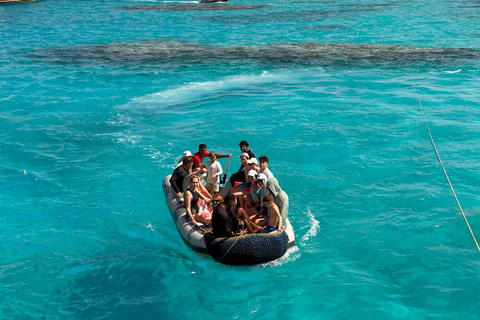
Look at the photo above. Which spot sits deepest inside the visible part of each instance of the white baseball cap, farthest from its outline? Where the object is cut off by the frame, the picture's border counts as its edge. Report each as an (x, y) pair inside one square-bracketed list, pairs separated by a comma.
[(252, 173)]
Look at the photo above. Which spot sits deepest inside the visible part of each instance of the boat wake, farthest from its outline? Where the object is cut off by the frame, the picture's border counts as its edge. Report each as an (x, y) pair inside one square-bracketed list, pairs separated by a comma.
[(291, 255), (195, 91), (313, 230)]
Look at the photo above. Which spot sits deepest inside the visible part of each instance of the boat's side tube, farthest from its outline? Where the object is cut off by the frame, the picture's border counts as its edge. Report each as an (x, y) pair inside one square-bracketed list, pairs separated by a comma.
[(192, 235)]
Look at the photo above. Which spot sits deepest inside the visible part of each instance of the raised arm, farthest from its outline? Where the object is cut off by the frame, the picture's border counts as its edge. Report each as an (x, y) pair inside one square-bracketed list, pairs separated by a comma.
[(220, 156)]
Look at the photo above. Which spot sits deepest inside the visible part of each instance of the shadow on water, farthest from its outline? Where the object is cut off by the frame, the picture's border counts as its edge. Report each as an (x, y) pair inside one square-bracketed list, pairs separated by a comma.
[(193, 7), (169, 51)]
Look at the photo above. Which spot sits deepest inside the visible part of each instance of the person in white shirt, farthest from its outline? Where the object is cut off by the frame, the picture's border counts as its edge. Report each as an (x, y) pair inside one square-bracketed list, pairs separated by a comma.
[(214, 172), (264, 167)]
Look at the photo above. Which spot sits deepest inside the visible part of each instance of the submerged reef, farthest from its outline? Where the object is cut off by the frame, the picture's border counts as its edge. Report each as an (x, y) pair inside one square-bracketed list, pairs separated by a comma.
[(303, 53)]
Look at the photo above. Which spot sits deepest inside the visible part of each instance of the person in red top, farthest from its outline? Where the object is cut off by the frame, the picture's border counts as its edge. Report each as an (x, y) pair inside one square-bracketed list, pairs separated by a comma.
[(202, 153)]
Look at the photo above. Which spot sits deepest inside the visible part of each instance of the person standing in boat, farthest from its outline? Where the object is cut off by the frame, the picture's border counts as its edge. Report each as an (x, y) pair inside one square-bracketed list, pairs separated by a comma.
[(179, 174), (202, 153), (214, 172), (239, 176), (192, 196), (184, 155)]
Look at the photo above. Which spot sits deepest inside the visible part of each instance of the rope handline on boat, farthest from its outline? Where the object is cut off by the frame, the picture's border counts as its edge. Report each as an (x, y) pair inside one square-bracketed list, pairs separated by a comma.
[(443, 168), (238, 237)]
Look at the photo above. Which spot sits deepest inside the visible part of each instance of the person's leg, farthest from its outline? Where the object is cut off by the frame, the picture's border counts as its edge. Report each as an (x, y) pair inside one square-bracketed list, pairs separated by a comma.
[(249, 202), (198, 217), (241, 201), (252, 211), (243, 215)]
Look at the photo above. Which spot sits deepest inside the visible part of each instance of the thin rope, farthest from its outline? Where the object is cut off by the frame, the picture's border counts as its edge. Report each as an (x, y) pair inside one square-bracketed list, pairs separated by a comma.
[(443, 168), (238, 237)]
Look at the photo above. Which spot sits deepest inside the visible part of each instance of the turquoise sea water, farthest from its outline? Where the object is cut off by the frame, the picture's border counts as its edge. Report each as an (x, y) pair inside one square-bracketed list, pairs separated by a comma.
[(99, 98)]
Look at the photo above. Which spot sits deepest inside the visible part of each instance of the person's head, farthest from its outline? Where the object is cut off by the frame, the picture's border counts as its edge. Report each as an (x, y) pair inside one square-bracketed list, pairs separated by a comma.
[(251, 176), (213, 156), (210, 204), (229, 200), (202, 148), (188, 162), (268, 200), (261, 180), (243, 146), (194, 182), (244, 157), (216, 200), (263, 162), (195, 167), (252, 161)]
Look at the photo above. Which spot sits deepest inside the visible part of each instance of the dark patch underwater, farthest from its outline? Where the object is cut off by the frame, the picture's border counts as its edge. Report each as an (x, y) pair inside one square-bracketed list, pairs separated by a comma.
[(169, 51)]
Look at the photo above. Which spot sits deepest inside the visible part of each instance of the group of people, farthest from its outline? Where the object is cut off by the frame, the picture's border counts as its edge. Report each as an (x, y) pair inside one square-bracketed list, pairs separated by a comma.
[(255, 203)]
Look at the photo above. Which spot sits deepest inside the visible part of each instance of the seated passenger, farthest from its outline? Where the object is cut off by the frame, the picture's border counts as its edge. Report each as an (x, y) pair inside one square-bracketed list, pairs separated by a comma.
[(264, 167), (179, 174), (226, 223), (206, 208), (192, 195), (243, 190), (214, 172), (198, 172), (248, 199), (275, 219), (258, 192), (239, 176), (280, 196)]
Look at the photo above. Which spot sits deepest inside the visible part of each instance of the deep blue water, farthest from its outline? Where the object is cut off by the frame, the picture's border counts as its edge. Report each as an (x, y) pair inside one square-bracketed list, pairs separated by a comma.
[(99, 98)]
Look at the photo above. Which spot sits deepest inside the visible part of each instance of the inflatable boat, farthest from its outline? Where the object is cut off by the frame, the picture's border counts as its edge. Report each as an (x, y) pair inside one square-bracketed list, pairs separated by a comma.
[(247, 249)]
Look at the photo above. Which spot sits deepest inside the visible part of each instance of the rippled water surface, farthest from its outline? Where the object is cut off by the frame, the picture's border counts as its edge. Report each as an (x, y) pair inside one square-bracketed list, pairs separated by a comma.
[(99, 98)]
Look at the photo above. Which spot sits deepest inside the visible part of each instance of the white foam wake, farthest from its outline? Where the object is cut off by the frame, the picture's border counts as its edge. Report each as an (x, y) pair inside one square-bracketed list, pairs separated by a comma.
[(200, 90), (314, 228)]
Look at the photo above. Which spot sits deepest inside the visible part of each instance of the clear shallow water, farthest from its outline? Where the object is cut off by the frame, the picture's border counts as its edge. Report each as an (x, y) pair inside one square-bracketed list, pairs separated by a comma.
[(97, 101)]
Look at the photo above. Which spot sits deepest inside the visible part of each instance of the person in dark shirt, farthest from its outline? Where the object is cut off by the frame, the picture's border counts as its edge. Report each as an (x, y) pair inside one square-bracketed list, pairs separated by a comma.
[(239, 176), (224, 221), (227, 223), (179, 174)]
